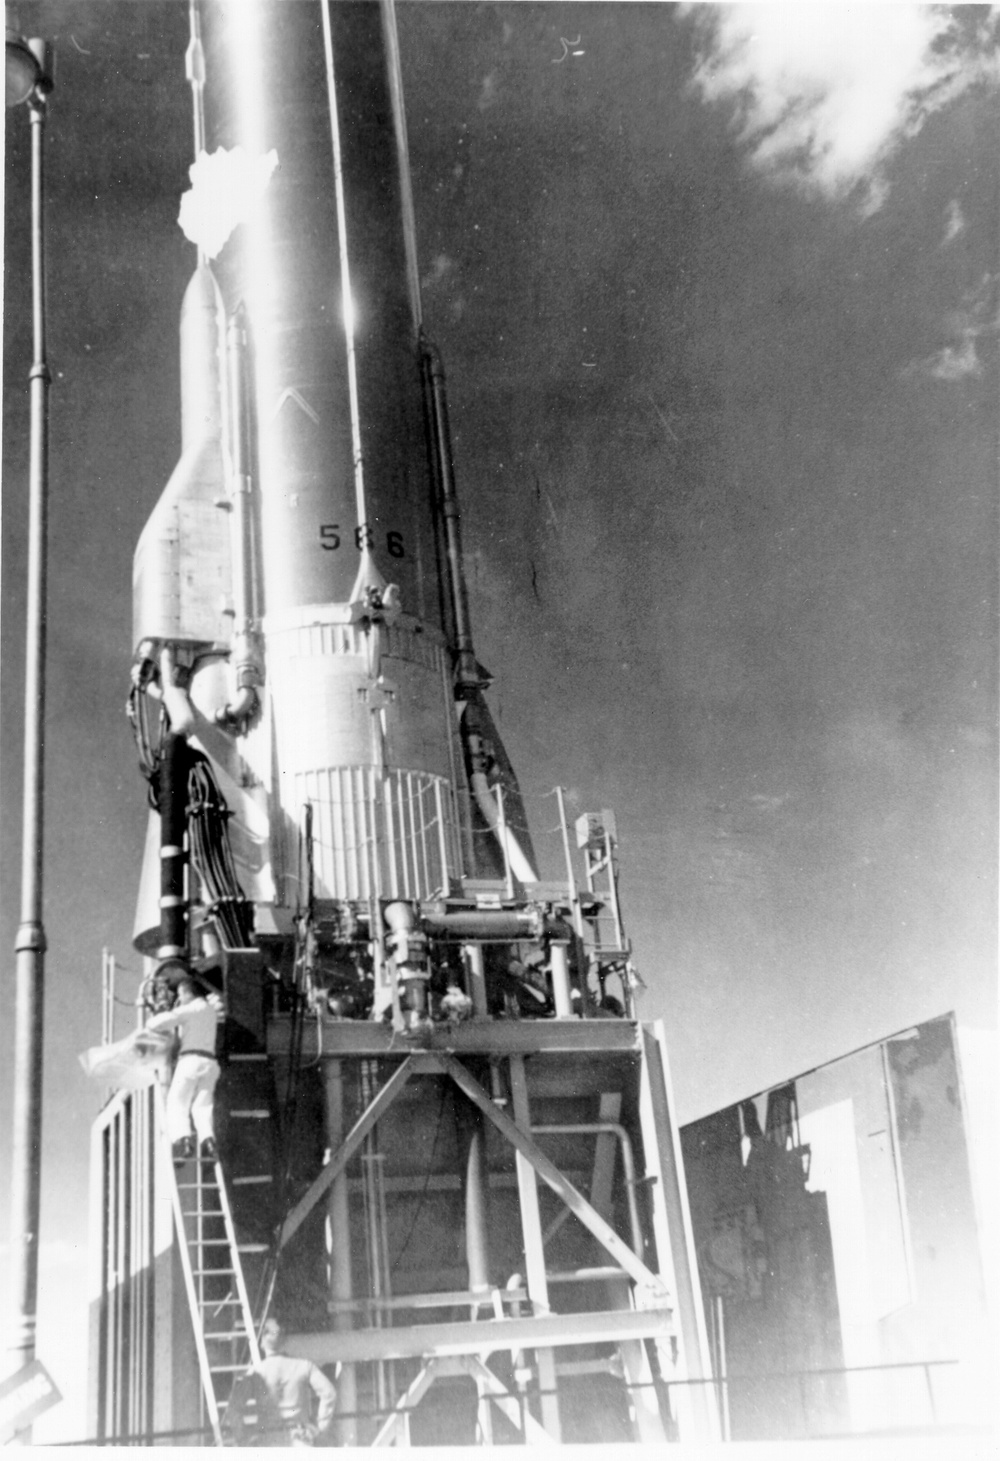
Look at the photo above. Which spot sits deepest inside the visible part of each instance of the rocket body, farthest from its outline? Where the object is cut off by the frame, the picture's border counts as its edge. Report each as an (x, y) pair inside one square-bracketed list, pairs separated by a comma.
[(297, 566), (321, 270)]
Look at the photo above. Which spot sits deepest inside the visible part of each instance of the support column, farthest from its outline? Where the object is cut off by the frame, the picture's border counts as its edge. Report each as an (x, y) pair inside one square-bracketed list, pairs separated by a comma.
[(675, 1254), (534, 1252), (341, 1282), (476, 988), (559, 954)]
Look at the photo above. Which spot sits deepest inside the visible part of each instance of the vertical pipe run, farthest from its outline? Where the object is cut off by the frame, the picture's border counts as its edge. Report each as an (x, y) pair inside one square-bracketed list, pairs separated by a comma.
[(246, 653), (173, 857), (395, 71), (341, 1280), (477, 979), (347, 303), (570, 874), (468, 668), (534, 1247), (502, 830), (476, 1228), (559, 954), (370, 1164), (30, 943)]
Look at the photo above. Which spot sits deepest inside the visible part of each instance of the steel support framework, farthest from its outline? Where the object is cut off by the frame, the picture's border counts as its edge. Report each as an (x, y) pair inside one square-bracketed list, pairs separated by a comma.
[(661, 1294)]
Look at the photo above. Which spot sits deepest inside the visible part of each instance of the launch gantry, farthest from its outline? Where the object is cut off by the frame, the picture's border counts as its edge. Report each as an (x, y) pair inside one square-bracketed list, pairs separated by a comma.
[(448, 1157)]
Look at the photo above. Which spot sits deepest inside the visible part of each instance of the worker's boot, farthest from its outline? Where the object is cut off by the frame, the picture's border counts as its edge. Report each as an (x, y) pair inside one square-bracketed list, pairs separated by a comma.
[(183, 1150), (209, 1150)]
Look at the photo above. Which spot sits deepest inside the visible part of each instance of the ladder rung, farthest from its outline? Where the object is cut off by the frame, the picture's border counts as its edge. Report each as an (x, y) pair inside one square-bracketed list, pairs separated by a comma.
[(228, 1369), (213, 1273), (224, 1336), (214, 1243), (248, 1055), (246, 1181), (253, 1247), (256, 1114)]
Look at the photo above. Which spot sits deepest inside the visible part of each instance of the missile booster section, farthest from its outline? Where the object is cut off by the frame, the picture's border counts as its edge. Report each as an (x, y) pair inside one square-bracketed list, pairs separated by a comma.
[(422, 1024), (300, 614)]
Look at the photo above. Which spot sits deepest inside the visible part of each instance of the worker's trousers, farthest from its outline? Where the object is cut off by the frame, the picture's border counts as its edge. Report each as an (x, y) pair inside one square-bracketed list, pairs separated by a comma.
[(191, 1097)]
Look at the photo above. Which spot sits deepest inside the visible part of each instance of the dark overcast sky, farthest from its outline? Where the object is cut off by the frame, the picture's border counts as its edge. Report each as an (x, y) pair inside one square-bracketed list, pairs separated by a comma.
[(722, 371)]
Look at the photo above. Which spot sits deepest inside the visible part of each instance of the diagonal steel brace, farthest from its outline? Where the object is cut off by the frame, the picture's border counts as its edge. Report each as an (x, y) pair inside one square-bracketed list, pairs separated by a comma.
[(550, 1173), (339, 1159)]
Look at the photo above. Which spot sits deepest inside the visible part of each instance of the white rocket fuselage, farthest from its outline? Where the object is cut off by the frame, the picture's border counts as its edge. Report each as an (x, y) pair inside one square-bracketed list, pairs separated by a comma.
[(296, 565)]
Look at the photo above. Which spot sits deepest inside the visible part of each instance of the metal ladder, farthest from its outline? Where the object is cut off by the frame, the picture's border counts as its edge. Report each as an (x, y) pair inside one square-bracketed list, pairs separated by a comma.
[(221, 1317)]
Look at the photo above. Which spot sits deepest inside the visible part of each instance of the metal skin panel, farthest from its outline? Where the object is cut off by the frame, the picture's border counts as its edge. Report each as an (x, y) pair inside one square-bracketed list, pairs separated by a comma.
[(266, 88), (363, 737), (325, 705), (182, 575)]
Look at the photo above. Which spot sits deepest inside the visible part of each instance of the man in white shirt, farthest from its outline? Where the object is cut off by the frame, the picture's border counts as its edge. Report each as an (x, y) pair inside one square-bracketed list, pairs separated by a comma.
[(277, 1398), (190, 1099)]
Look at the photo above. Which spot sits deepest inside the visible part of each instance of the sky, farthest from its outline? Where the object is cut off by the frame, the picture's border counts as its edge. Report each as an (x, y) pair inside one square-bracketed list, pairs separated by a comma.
[(716, 291)]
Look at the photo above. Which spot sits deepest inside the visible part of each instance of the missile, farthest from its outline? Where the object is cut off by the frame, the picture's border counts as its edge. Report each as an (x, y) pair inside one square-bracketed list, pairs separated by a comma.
[(301, 618)]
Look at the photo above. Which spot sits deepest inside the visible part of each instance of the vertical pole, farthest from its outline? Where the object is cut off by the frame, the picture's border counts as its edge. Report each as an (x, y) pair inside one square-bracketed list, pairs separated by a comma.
[(105, 1037), (609, 852), (570, 873), (502, 824), (559, 954), (30, 943), (722, 1366), (442, 838), (477, 979), (341, 1281), (675, 1255), (534, 1252), (173, 855)]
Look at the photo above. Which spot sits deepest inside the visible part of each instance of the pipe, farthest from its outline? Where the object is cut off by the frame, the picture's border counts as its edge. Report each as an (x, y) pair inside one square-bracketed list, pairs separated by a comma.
[(341, 1269), (407, 945), (519, 864), (469, 676), (173, 855), (476, 1226), (595, 1128), (570, 874), (175, 698), (30, 943), (561, 996), (395, 72), (246, 650), (496, 925), (501, 833), (476, 980)]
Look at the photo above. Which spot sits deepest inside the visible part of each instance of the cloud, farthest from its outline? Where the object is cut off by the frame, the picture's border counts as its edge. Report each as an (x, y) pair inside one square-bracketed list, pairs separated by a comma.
[(954, 362), (975, 317), (956, 221), (489, 92), (823, 94)]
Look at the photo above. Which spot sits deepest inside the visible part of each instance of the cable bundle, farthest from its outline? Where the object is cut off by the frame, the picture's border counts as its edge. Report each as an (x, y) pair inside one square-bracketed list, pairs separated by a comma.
[(147, 735), (212, 858)]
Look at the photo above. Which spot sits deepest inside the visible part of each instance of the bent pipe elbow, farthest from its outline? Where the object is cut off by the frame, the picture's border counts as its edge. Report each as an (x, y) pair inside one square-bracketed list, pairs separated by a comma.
[(520, 866), (240, 708)]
